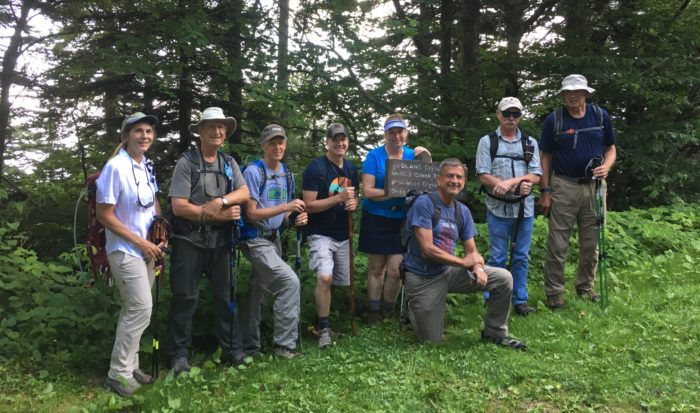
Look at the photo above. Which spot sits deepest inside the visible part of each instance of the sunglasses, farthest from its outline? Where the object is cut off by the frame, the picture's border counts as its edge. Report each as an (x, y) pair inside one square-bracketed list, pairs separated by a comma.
[(145, 192), (515, 114)]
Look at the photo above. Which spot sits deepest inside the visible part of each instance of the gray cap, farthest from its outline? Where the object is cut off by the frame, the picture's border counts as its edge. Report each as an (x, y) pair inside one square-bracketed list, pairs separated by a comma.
[(336, 129), (136, 118), (272, 131), (217, 115)]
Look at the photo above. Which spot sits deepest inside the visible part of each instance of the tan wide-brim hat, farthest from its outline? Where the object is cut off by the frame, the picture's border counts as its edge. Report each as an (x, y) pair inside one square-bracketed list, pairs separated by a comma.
[(217, 115)]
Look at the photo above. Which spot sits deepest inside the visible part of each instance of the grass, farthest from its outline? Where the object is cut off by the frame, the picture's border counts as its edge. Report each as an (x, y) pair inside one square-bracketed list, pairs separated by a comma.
[(642, 353)]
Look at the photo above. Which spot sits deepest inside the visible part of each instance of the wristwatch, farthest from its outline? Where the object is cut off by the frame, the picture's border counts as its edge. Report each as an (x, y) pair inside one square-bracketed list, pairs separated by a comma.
[(224, 201)]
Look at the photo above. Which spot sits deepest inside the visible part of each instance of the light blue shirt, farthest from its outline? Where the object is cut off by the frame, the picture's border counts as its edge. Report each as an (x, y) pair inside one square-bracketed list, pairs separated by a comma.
[(274, 193), (505, 168), (375, 165), (117, 186)]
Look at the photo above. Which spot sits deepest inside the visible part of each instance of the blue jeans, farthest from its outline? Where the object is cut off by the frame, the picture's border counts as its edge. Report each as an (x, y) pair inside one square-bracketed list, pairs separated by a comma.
[(501, 231)]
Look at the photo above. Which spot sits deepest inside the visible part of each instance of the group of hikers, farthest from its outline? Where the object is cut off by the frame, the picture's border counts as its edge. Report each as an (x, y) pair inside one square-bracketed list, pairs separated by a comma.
[(217, 206)]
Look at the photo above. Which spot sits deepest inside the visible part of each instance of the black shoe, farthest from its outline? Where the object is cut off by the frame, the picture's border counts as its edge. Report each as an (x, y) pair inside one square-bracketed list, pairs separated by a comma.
[(180, 365), (523, 309), (374, 317), (506, 341)]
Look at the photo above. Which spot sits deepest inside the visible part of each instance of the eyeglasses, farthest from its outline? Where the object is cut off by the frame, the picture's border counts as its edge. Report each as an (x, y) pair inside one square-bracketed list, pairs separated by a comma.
[(146, 192), (515, 113)]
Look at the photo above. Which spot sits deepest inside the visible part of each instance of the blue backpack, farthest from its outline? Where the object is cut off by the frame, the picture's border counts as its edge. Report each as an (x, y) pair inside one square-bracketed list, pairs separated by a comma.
[(249, 231)]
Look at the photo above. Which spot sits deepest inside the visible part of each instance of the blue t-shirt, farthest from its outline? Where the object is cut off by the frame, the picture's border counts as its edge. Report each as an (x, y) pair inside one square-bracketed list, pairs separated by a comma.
[(274, 193), (375, 164), (326, 179), (570, 161), (444, 233)]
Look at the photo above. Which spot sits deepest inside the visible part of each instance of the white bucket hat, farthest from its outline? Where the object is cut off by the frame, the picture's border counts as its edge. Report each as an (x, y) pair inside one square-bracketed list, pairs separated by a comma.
[(215, 114), (575, 82)]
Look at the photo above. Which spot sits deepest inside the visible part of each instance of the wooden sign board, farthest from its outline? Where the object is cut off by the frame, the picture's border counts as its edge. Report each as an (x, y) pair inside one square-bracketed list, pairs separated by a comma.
[(402, 176)]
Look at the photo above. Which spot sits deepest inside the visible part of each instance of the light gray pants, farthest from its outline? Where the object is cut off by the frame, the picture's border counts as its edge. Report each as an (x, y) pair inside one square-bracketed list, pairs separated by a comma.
[(427, 295), (134, 278), (271, 276)]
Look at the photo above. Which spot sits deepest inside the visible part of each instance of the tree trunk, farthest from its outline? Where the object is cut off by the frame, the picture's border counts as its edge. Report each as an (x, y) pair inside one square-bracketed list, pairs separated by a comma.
[(9, 63), (233, 48), (282, 47), (469, 58)]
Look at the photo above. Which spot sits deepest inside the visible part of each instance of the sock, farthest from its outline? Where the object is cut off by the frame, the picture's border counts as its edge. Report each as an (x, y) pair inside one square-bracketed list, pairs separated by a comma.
[(322, 323), (375, 305)]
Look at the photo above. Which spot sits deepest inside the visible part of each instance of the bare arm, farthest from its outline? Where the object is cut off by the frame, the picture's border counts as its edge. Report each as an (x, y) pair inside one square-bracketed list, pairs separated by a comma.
[(546, 197), (214, 209), (369, 191), (315, 205), (610, 157), (430, 251), (106, 217)]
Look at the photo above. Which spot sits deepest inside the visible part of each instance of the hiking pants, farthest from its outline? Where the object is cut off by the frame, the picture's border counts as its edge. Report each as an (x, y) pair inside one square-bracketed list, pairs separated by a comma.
[(188, 263), (134, 278), (427, 295), (572, 203), (271, 277)]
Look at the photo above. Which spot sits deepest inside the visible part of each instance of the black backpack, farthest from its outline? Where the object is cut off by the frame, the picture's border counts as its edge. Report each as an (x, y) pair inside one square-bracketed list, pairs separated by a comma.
[(411, 196)]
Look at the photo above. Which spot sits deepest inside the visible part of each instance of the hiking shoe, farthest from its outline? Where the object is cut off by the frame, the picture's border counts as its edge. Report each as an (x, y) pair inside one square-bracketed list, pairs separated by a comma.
[(389, 314), (142, 377), (555, 302), (506, 341), (285, 352), (523, 309), (324, 338), (374, 317), (588, 295), (180, 365), (121, 386)]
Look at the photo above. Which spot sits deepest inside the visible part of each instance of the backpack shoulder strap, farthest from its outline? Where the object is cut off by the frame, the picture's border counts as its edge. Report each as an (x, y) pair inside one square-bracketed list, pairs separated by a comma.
[(598, 113), (291, 184), (435, 199), (263, 174), (493, 137), (558, 122)]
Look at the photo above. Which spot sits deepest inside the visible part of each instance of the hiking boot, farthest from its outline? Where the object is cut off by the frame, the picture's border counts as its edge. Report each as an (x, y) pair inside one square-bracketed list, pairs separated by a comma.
[(180, 365), (374, 317), (555, 302), (523, 309), (588, 295), (121, 386), (285, 352), (389, 314), (506, 341), (142, 377), (324, 338)]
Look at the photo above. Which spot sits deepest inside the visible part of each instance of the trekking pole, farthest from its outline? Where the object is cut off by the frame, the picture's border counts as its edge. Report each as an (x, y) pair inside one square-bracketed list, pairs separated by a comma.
[(600, 217), (233, 262), (352, 275), (297, 268), (158, 232), (518, 221)]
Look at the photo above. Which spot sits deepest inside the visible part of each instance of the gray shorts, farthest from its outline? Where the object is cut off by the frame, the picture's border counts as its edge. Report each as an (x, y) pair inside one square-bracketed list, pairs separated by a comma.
[(330, 257)]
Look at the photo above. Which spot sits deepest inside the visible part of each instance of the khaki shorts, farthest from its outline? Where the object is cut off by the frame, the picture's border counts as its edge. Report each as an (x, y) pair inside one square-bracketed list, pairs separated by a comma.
[(330, 257)]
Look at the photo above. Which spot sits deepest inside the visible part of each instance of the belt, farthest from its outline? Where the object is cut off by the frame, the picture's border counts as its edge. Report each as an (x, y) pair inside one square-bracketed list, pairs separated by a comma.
[(581, 181), (268, 234)]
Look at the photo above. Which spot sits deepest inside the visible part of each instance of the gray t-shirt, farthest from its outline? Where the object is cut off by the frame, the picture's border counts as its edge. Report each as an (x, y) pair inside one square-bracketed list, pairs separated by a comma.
[(212, 183)]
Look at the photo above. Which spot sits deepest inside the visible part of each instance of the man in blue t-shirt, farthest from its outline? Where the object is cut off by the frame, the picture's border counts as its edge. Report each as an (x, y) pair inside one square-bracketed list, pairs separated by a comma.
[(329, 194), (433, 270), (577, 147), (268, 209)]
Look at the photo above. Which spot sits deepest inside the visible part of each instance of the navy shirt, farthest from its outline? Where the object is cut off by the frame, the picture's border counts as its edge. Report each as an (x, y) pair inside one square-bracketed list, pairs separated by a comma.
[(444, 233), (326, 179), (570, 161)]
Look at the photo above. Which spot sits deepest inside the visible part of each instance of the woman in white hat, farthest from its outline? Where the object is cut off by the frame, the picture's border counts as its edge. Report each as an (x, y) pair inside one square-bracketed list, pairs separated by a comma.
[(126, 206)]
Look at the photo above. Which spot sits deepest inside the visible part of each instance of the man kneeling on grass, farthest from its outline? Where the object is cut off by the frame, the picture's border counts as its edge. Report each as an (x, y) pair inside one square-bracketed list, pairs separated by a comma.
[(436, 221)]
